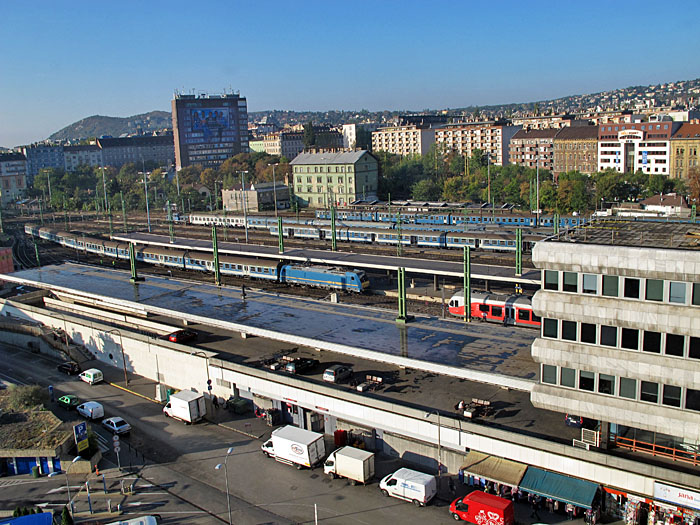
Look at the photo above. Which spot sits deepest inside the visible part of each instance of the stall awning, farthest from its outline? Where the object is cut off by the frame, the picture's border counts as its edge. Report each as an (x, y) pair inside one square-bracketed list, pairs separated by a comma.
[(559, 487), (494, 468)]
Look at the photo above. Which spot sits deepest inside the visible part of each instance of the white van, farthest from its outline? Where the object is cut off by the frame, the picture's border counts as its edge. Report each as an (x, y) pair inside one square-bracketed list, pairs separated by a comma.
[(143, 520), (410, 485), (91, 376), (91, 410)]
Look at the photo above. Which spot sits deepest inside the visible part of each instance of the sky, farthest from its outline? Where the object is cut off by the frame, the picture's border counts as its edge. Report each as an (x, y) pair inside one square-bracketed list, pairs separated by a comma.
[(64, 61)]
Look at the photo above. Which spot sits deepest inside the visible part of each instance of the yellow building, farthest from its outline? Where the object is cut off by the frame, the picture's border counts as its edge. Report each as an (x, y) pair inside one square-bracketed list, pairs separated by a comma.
[(685, 145)]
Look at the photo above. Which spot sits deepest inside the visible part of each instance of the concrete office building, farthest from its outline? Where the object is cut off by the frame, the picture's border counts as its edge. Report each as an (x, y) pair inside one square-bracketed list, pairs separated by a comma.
[(321, 179), (155, 148), (620, 341), (208, 129), (13, 176), (489, 137), (403, 140), (639, 146), (41, 156)]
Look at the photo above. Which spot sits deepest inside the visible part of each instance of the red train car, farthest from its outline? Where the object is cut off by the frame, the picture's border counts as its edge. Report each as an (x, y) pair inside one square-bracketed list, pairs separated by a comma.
[(505, 309)]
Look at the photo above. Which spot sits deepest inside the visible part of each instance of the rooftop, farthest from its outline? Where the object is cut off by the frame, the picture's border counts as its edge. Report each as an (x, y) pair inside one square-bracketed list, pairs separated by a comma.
[(346, 157), (647, 233)]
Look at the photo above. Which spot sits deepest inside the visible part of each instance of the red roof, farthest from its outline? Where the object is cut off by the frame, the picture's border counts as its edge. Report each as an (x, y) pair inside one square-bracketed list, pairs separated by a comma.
[(670, 199)]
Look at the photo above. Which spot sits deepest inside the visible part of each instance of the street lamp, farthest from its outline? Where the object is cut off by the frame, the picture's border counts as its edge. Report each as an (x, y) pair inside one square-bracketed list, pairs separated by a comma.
[(70, 502), (228, 498), (274, 186), (439, 458), (121, 344), (104, 187), (245, 208), (145, 183)]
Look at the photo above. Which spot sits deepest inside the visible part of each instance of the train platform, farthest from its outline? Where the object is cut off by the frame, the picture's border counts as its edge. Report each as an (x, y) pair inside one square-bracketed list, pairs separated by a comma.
[(481, 352)]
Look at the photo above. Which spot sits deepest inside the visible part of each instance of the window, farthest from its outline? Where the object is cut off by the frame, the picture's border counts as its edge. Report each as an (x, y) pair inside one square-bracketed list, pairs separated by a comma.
[(674, 345), (696, 294), (549, 374), (655, 290), (523, 315), (694, 348), (551, 280), (568, 330), (650, 392), (630, 339), (568, 377), (692, 399), (652, 342), (610, 285), (550, 328), (570, 282), (608, 335), (496, 311), (628, 388), (590, 283), (588, 333), (676, 293), (606, 384), (631, 288), (671, 396), (586, 381)]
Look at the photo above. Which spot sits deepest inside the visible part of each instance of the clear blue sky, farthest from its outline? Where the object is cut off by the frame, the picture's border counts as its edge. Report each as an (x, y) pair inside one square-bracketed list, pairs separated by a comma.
[(63, 61)]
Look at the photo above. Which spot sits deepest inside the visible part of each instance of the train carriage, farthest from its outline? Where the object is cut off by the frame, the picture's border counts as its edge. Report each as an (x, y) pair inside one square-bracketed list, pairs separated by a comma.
[(504, 309), (161, 256), (119, 250), (324, 277), (248, 267), (461, 240)]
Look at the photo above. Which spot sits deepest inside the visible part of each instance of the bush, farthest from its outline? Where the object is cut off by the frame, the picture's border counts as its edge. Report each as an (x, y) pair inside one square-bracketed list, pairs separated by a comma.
[(27, 397), (66, 518)]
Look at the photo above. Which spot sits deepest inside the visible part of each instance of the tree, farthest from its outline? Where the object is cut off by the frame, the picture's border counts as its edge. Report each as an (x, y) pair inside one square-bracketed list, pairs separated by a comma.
[(66, 518), (309, 134), (694, 184), (426, 189)]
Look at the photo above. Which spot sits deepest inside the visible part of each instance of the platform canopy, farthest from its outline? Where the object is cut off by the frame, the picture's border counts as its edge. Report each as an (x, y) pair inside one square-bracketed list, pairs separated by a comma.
[(494, 468), (559, 487)]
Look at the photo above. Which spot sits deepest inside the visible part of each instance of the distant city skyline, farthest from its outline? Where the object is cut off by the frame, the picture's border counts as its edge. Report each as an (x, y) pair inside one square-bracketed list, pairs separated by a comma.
[(61, 65)]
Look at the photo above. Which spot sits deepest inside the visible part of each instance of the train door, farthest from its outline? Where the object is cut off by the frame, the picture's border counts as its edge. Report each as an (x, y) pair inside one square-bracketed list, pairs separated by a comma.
[(414, 240), (510, 315)]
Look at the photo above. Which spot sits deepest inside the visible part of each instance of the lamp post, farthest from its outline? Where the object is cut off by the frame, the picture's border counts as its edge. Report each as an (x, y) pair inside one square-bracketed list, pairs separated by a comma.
[(274, 186), (104, 187), (145, 183), (243, 203), (206, 357), (121, 345), (439, 458), (228, 498), (48, 179), (70, 502)]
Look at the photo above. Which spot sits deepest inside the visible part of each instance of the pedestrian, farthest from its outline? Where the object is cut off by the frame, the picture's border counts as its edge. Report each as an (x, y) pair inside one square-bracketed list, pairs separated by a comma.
[(451, 486), (570, 511), (460, 406), (243, 291), (535, 508), (215, 402), (550, 504)]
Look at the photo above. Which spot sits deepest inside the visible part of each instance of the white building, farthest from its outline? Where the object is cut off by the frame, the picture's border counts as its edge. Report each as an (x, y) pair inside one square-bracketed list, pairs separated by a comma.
[(403, 140), (488, 137), (88, 155), (13, 176), (633, 147), (350, 133)]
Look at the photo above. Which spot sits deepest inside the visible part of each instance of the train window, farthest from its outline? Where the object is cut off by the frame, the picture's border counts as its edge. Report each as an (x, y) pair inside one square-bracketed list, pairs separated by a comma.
[(608, 335), (523, 315), (655, 290), (610, 285), (631, 288), (586, 380), (630, 339), (551, 280), (671, 396), (550, 328), (570, 283), (568, 330), (694, 348), (628, 388), (484, 308), (549, 374), (676, 292), (568, 377), (536, 318), (590, 283), (606, 384), (496, 311), (588, 333), (651, 342), (650, 392), (674, 345)]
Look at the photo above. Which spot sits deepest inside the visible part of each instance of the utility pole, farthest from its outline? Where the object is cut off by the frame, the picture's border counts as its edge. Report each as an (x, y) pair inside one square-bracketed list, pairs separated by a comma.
[(121, 193), (104, 187), (274, 188), (145, 182), (537, 172), (245, 208)]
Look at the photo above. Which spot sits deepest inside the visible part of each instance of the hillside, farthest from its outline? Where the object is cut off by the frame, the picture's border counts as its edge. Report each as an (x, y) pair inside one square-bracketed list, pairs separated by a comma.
[(98, 125)]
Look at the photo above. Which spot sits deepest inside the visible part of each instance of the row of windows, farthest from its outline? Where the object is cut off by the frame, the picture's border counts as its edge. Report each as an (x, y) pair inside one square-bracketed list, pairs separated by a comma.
[(658, 290), (638, 390), (322, 169), (319, 180), (625, 338)]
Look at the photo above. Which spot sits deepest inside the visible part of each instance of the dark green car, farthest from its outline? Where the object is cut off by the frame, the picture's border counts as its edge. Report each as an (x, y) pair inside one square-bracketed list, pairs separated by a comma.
[(68, 402)]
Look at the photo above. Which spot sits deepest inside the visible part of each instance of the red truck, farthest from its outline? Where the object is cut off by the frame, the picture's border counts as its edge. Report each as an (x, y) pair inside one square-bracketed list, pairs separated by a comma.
[(483, 509)]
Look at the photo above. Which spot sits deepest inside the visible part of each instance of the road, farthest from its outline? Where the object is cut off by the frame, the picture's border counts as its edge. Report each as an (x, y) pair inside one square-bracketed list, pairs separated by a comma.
[(180, 461)]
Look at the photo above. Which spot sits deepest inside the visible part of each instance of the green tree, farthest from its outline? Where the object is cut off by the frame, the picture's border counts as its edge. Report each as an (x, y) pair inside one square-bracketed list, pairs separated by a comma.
[(66, 518), (694, 184), (426, 189), (309, 135)]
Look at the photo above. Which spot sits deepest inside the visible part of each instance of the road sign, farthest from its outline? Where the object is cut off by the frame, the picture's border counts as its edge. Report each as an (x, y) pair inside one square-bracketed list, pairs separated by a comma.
[(115, 438), (644, 157), (81, 436)]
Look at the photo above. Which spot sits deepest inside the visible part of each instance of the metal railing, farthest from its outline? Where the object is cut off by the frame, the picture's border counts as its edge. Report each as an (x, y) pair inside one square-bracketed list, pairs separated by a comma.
[(674, 454)]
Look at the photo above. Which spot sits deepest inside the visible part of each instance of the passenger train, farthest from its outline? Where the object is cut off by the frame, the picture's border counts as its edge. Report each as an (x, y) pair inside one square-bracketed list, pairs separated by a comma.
[(280, 271), (506, 309)]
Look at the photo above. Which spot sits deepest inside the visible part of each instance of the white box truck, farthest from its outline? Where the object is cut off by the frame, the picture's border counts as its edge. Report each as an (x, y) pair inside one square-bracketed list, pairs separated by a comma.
[(351, 463), (410, 485), (295, 446), (186, 406)]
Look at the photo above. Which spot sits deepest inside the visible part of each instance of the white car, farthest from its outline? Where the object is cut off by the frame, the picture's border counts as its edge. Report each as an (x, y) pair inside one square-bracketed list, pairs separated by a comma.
[(91, 410), (116, 425)]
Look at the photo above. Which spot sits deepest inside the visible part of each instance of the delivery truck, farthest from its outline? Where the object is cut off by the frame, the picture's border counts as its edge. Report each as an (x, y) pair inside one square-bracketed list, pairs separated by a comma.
[(351, 463), (479, 507), (186, 406), (410, 485), (295, 446)]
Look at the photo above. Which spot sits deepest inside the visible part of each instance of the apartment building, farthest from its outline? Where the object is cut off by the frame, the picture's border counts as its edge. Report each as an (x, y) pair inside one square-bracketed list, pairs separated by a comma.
[(84, 155), (533, 148), (575, 148), (620, 339), (13, 176), (322, 179), (489, 137), (545, 121), (685, 145), (155, 148), (403, 140), (41, 156), (637, 146)]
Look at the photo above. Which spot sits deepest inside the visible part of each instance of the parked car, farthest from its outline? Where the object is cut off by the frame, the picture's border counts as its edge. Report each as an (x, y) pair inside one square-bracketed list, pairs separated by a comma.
[(116, 425), (337, 373), (182, 336), (69, 368), (91, 376), (573, 421), (68, 402), (91, 410), (300, 365)]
